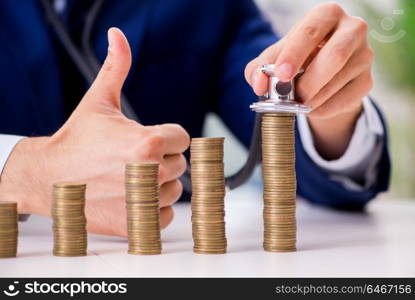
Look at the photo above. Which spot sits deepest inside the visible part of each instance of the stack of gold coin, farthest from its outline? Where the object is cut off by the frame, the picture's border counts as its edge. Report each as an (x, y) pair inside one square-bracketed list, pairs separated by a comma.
[(69, 221), (278, 151), (8, 229), (143, 212), (208, 192)]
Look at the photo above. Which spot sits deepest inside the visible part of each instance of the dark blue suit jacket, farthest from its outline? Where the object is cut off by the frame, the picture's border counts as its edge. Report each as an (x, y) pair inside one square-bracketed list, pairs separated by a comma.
[(188, 60)]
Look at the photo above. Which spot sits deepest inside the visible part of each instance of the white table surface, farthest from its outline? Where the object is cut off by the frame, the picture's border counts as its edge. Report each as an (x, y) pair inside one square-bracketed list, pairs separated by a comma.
[(380, 243)]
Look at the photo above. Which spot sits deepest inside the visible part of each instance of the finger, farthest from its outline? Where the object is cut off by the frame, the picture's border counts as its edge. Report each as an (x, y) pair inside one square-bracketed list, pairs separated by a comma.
[(170, 192), (176, 139), (312, 56), (172, 167), (110, 79), (330, 60), (253, 74), (305, 37), (360, 62), (259, 81), (106, 215), (166, 216), (347, 99)]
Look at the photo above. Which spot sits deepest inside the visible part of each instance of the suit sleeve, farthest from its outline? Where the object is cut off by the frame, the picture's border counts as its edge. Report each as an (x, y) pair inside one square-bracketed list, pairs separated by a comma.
[(248, 35)]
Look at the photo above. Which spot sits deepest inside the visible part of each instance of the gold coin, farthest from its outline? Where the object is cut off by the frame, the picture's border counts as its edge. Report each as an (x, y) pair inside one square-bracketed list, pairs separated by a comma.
[(8, 229), (208, 192), (278, 150), (143, 211), (69, 221)]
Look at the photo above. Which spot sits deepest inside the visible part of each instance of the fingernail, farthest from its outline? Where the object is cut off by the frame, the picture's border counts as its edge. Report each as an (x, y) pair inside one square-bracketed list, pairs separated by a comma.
[(109, 40), (285, 71)]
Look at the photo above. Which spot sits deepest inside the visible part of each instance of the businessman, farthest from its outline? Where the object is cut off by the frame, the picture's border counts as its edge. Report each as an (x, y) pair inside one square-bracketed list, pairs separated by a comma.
[(179, 60)]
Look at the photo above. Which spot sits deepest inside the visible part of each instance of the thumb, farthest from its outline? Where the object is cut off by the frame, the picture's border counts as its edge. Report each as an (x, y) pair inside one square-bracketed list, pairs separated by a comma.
[(110, 79)]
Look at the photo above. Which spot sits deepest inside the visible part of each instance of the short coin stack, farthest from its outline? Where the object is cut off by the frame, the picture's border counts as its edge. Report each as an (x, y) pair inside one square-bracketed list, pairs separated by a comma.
[(278, 150), (69, 221), (208, 192), (143, 212), (8, 229)]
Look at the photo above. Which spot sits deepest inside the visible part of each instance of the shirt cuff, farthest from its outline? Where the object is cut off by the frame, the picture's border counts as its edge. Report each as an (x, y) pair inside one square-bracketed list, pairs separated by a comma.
[(7, 144), (356, 169)]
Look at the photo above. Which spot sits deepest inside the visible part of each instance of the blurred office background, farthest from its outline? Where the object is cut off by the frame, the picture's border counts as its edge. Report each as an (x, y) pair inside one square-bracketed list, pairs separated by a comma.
[(392, 35)]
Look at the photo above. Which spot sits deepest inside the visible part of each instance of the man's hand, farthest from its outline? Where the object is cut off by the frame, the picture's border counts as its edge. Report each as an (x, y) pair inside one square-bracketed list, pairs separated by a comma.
[(333, 49), (93, 146)]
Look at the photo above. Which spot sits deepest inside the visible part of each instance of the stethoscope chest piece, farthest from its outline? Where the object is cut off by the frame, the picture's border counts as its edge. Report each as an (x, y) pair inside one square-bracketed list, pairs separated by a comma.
[(280, 96)]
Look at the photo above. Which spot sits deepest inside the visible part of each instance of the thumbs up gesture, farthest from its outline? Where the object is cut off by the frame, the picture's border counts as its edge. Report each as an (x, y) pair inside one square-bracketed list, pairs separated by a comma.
[(93, 146)]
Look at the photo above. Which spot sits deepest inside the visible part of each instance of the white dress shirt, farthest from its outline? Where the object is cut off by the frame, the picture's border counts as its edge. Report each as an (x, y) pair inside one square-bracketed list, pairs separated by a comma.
[(7, 143)]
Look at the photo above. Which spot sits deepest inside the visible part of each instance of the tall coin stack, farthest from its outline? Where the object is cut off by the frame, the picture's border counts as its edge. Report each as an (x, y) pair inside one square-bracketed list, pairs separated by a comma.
[(278, 150), (69, 221), (8, 229), (208, 192), (143, 212)]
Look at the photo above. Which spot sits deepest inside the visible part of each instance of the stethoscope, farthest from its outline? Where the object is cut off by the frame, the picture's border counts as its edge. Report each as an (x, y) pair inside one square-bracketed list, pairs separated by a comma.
[(280, 96)]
